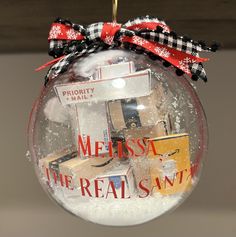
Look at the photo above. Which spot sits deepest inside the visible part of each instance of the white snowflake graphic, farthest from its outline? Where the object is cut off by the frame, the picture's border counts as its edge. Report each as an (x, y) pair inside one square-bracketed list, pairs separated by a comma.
[(113, 24), (72, 34), (184, 64), (162, 52), (165, 29), (136, 28), (139, 41), (55, 31), (109, 39)]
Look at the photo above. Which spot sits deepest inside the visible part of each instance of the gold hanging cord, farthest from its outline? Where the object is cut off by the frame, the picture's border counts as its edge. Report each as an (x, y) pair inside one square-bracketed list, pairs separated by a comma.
[(114, 10)]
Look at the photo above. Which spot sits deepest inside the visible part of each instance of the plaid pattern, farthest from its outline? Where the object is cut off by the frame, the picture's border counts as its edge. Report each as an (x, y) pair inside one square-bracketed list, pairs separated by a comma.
[(94, 32), (58, 48), (57, 44), (93, 42), (174, 42), (63, 64), (198, 70)]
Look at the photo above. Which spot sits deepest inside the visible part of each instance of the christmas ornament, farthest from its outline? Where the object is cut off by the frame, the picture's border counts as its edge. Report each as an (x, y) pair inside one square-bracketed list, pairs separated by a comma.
[(118, 133)]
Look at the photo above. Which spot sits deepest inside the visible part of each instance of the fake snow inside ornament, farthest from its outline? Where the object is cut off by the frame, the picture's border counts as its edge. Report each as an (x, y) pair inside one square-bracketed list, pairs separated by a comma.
[(118, 139)]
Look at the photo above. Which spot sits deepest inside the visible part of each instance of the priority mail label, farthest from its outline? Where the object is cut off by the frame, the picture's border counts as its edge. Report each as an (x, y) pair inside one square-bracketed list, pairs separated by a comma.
[(133, 85)]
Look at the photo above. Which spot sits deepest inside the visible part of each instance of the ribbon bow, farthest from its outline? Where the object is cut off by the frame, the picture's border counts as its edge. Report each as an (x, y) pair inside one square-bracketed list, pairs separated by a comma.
[(151, 36)]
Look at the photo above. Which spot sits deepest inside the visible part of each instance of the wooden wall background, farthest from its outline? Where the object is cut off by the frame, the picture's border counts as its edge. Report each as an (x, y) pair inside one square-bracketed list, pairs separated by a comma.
[(24, 24)]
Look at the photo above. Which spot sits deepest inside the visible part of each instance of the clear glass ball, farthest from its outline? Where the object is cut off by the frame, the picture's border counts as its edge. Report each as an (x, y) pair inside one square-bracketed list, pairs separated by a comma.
[(118, 139)]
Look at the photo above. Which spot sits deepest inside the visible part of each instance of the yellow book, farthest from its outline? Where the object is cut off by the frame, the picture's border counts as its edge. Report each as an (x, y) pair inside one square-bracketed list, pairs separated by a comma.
[(170, 164)]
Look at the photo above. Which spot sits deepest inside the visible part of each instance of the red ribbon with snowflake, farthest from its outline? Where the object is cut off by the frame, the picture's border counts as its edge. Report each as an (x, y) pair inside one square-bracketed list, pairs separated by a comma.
[(63, 32), (175, 57)]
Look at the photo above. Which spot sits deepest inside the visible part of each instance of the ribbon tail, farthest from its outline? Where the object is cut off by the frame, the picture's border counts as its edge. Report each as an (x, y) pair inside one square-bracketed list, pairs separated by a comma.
[(50, 63), (198, 71), (179, 59)]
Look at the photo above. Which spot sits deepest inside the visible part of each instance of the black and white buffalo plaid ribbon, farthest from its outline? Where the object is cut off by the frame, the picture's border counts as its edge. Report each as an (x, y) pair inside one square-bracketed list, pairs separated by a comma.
[(150, 36)]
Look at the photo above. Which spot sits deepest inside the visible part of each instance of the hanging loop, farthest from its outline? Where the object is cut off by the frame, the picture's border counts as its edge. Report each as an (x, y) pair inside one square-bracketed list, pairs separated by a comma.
[(114, 10)]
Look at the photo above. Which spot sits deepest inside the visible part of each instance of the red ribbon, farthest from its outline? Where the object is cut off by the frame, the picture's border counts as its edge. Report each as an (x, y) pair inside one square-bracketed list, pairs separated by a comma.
[(63, 32), (149, 26), (108, 32), (177, 58)]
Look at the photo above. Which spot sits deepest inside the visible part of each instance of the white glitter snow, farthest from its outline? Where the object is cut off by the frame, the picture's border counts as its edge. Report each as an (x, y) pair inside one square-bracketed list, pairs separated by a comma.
[(118, 212)]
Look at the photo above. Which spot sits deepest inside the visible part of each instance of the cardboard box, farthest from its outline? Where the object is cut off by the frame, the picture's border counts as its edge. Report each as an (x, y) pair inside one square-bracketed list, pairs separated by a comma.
[(145, 133), (141, 171), (120, 174), (140, 164), (89, 119), (71, 165), (92, 118), (104, 90), (114, 70), (47, 162), (92, 124), (87, 168), (135, 112), (170, 174)]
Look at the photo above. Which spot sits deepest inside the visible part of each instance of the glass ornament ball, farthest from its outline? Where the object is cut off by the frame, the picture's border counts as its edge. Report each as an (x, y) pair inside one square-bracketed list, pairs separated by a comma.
[(118, 139)]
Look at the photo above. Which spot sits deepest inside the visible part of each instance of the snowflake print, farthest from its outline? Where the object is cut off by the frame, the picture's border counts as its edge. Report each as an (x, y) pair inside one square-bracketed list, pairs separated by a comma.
[(109, 39), (184, 64), (112, 24), (139, 41), (72, 34), (165, 29), (136, 28), (55, 31), (162, 52)]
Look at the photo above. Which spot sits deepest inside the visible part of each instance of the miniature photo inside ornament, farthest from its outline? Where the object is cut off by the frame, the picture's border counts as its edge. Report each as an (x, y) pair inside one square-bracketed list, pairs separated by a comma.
[(118, 139)]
